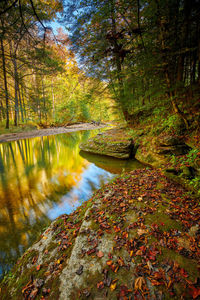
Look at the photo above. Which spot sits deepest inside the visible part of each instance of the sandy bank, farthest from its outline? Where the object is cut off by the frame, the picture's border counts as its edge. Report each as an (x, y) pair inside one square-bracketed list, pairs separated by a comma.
[(50, 131)]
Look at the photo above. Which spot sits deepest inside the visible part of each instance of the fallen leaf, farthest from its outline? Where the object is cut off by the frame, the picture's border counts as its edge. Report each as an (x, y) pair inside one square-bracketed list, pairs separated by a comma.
[(33, 293), (113, 287), (195, 292), (149, 265), (100, 254), (100, 285), (38, 267), (139, 282), (142, 231), (139, 252), (109, 262), (120, 261)]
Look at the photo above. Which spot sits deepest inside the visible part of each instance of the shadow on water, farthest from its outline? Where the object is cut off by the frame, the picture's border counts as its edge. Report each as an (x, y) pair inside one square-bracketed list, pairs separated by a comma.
[(42, 178), (111, 164)]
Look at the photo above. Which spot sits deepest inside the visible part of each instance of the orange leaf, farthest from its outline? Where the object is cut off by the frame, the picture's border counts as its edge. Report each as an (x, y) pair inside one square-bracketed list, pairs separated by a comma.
[(38, 267), (100, 285), (109, 262)]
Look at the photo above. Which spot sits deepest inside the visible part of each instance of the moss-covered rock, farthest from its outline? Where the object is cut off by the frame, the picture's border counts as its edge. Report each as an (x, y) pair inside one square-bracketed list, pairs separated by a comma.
[(157, 151), (115, 142), (136, 238)]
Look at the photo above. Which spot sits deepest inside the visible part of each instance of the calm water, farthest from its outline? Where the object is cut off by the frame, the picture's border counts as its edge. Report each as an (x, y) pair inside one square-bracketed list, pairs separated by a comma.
[(42, 178)]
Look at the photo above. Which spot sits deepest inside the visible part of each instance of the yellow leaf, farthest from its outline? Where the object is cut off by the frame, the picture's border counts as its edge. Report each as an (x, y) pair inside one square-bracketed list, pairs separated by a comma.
[(113, 286), (139, 282)]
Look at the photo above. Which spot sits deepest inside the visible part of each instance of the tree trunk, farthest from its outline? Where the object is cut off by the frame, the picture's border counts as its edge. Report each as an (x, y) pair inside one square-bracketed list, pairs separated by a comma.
[(5, 82), (20, 103), (198, 65), (16, 93), (13, 58), (23, 102), (53, 99), (2, 110), (44, 100)]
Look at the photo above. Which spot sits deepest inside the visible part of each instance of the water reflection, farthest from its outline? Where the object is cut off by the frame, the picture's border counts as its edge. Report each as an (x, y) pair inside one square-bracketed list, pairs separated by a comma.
[(34, 175), (92, 178), (40, 179)]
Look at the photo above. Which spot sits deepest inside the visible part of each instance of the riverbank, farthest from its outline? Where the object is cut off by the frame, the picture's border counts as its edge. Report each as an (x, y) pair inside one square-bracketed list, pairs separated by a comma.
[(136, 238), (172, 151), (49, 131)]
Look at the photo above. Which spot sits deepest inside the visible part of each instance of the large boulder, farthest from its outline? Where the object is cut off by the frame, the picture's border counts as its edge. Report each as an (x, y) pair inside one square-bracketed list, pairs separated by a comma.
[(135, 239), (114, 142)]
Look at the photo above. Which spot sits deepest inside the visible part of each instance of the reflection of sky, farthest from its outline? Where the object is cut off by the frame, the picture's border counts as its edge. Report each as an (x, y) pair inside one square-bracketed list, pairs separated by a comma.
[(92, 178)]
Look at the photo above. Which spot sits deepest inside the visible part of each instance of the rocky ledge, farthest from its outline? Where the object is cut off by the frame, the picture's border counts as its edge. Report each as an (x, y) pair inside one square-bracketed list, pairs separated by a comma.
[(156, 151), (135, 239), (114, 142)]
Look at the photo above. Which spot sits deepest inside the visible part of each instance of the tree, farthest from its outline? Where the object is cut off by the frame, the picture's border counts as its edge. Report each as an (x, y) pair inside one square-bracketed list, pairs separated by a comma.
[(144, 49)]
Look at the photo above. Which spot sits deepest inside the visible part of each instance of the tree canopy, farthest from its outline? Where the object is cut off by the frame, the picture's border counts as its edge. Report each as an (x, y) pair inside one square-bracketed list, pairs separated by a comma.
[(139, 53), (144, 49)]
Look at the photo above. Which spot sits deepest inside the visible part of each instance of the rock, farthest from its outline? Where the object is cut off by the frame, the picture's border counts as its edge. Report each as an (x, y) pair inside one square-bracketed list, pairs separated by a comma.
[(147, 153), (173, 150), (171, 145), (156, 150), (113, 143), (118, 150), (98, 251), (168, 140), (187, 172)]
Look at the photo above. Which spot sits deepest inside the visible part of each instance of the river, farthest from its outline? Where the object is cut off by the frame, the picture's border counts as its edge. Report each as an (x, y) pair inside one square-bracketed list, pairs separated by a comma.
[(42, 178)]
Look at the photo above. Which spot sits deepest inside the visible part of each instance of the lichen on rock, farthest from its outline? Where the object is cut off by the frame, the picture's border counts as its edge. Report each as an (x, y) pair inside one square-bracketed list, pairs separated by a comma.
[(134, 238)]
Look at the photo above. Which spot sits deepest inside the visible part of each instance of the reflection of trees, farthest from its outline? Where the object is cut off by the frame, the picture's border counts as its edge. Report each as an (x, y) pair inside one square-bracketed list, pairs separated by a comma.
[(34, 173)]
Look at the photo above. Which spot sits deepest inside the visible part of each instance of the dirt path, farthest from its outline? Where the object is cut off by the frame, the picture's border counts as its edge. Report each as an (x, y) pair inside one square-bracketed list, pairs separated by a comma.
[(50, 131)]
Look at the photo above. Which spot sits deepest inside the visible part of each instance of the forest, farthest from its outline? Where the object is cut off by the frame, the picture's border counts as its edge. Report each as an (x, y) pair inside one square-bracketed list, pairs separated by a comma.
[(40, 77), (99, 149), (128, 56)]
